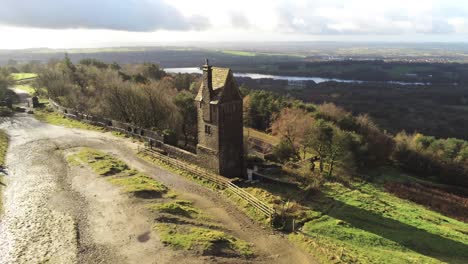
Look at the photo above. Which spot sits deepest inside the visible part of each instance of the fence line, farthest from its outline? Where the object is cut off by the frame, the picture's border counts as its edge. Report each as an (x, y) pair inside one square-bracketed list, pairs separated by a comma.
[(220, 181)]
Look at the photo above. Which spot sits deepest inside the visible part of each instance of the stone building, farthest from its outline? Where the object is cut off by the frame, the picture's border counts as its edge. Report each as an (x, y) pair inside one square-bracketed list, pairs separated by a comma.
[(220, 126)]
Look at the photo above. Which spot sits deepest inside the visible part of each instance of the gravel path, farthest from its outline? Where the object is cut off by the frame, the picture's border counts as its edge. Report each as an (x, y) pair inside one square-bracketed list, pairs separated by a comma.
[(60, 215)]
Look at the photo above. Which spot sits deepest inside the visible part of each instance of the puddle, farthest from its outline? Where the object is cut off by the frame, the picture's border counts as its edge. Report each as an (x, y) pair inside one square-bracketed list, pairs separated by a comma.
[(144, 237)]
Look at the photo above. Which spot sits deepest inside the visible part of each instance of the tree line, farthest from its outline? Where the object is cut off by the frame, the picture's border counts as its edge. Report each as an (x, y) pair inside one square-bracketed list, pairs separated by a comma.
[(142, 94), (327, 135), (336, 139)]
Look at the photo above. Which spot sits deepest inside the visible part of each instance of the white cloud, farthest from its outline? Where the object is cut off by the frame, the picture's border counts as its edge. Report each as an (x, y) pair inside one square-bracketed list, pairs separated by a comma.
[(95, 22)]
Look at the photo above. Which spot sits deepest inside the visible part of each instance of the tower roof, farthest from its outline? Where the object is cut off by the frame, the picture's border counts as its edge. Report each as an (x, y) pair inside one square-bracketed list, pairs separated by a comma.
[(219, 79), (220, 76)]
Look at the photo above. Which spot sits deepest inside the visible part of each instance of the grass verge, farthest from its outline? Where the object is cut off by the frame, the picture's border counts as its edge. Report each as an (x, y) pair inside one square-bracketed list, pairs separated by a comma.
[(131, 181), (184, 173), (3, 147), (202, 240), (242, 204), (59, 120), (3, 150)]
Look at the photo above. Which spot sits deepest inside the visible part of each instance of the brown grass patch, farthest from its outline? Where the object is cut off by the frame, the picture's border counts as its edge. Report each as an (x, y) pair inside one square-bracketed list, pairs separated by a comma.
[(441, 200)]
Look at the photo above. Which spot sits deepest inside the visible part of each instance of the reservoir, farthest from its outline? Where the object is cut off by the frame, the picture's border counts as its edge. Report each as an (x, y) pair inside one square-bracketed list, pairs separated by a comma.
[(286, 78)]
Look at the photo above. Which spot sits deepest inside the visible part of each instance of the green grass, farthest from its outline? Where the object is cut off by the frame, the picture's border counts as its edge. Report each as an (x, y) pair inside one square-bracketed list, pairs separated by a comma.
[(23, 75), (178, 208), (268, 138), (59, 120), (140, 185), (130, 180), (27, 88), (202, 240), (3, 150), (175, 170), (368, 225), (3, 147), (100, 162), (361, 223)]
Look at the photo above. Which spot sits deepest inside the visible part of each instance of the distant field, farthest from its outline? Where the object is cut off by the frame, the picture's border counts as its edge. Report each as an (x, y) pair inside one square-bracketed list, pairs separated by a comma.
[(21, 76), (240, 53), (26, 88), (252, 54)]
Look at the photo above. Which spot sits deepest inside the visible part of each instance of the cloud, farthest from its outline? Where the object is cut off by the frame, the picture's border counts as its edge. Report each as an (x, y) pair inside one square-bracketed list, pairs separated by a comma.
[(361, 17), (124, 15), (299, 17), (239, 20)]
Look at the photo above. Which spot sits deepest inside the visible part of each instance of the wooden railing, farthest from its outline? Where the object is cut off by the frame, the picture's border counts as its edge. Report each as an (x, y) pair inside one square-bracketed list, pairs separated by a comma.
[(219, 181)]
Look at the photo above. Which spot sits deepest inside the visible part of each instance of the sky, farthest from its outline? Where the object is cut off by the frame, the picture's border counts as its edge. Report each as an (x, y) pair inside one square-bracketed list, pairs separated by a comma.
[(111, 23)]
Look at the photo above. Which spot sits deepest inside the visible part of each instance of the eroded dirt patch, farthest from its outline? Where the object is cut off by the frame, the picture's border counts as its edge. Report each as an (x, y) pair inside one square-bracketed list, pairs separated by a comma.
[(116, 210)]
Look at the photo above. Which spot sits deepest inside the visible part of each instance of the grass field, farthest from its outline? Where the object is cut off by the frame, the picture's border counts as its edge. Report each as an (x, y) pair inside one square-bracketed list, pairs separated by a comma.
[(240, 53), (361, 223), (252, 54), (250, 132)]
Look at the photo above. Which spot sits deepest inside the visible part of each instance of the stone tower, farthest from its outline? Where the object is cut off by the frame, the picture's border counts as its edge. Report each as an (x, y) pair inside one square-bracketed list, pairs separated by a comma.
[(220, 126)]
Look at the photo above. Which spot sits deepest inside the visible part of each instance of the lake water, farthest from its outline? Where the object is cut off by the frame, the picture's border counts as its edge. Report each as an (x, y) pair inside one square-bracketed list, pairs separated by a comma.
[(282, 77)]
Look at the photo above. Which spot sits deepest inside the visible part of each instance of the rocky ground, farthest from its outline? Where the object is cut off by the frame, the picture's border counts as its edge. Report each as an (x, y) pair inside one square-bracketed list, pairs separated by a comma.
[(57, 214)]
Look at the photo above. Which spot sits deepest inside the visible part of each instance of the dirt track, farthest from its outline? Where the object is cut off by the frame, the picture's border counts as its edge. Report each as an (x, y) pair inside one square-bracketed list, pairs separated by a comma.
[(62, 215)]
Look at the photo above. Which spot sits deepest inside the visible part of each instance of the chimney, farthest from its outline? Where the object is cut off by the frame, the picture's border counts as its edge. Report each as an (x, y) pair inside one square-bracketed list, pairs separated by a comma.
[(207, 76)]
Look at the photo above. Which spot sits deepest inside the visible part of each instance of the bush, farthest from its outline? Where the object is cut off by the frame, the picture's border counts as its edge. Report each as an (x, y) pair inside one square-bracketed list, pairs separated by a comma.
[(284, 152), (170, 137)]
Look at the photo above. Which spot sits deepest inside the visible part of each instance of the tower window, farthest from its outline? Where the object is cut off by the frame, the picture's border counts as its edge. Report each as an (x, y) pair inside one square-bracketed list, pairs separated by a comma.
[(207, 130)]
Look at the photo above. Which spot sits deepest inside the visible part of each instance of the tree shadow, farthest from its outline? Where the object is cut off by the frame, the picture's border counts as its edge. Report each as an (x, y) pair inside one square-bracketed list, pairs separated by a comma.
[(413, 238)]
